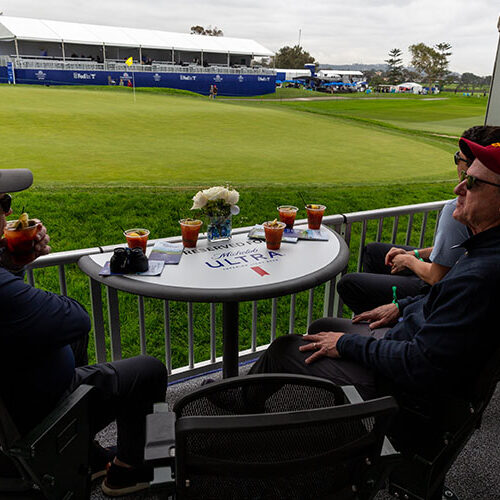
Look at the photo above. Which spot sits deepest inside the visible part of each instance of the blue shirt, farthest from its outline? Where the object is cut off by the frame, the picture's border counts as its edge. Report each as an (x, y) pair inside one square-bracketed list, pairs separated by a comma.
[(449, 234), (36, 362), (446, 336)]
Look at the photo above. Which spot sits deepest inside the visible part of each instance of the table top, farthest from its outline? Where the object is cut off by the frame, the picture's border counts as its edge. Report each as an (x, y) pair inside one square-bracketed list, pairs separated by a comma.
[(236, 270)]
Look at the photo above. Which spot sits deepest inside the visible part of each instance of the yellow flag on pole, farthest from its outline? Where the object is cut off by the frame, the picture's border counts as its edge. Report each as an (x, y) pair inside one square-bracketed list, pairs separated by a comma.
[(129, 61)]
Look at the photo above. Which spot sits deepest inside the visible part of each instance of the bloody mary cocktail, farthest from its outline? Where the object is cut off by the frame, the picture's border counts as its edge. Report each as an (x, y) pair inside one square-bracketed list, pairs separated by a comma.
[(137, 238), (274, 232), (190, 229), (21, 240), (287, 215), (315, 215)]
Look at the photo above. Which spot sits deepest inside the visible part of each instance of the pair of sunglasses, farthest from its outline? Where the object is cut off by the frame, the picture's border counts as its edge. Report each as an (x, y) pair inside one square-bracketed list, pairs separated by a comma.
[(5, 202), (458, 158), (472, 181)]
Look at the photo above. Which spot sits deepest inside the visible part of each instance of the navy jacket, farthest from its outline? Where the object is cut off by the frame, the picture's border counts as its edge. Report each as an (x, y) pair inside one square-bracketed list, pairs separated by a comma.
[(36, 362), (445, 337)]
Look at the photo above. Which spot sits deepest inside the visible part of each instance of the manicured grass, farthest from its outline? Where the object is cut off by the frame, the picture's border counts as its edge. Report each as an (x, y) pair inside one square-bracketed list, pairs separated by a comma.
[(90, 137), (443, 113)]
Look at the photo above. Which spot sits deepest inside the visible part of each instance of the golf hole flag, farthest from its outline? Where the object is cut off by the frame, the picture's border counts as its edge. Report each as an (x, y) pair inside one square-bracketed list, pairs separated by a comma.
[(129, 61)]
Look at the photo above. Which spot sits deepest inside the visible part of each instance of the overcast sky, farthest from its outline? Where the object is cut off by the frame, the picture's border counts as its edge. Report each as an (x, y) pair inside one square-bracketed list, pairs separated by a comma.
[(333, 31)]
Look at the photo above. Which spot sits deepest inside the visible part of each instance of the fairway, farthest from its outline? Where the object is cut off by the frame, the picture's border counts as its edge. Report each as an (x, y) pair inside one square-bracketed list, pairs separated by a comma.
[(443, 114), (98, 137)]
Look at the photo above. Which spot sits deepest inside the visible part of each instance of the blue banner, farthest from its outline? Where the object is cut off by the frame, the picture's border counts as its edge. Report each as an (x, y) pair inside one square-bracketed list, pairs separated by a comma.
[(227, 84), (10, 73)]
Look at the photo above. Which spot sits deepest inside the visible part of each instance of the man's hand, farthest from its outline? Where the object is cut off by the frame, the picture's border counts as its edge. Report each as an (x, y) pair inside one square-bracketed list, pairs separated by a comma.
[(389, 256), (379, 317), (323, 343), (400, 262), (41, 240)]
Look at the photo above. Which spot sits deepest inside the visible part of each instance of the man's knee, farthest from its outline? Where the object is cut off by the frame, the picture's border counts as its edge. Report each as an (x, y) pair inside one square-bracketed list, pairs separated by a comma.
[(349, 285), (282, 345)]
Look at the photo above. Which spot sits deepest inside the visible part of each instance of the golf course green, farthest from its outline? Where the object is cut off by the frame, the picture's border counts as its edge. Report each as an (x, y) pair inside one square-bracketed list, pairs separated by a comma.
[(75, 136)]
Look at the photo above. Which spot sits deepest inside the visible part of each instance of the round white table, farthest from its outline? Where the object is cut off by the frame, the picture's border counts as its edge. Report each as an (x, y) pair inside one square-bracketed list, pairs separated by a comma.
[(233, 271)]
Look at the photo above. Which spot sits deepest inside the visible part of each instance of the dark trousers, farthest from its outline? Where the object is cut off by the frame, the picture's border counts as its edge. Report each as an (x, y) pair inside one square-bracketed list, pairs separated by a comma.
[(283, 356), (373, 287), (126, 391)]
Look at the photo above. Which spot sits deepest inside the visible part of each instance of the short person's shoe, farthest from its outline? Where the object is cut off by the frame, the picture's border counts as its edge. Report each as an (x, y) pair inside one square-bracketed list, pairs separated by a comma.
[(99, 459), (123, 481)]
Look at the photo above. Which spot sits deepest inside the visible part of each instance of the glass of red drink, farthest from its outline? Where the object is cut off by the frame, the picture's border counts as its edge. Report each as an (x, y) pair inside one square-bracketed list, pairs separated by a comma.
[(21, 241), (274, 232), (137, 238), (315, 215), (287, 215), (190, 229)]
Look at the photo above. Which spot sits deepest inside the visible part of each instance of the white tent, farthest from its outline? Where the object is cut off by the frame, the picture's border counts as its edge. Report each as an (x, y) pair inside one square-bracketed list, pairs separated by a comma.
[(40, 30), (415, 88)]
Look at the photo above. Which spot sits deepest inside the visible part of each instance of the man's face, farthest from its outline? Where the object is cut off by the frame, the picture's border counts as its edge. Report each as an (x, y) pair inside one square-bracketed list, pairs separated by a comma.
[(478, 207)]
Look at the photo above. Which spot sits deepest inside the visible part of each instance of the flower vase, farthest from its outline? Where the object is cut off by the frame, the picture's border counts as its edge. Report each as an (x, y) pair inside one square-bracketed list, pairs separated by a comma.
[(219, 228)]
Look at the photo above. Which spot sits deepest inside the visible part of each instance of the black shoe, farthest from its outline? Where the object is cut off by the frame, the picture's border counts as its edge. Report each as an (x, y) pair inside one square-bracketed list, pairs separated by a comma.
[(123, 481), (99, 459)]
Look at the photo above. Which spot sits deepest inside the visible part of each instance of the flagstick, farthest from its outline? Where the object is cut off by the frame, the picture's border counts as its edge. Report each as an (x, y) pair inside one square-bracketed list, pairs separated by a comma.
[(133, 84)]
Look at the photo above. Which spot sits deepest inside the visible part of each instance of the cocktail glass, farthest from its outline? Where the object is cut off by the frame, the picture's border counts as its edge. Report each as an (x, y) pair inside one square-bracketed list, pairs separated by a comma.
[(137, 238), (21, 241), (315, 215), (190, 229), (287, 215), (274, 232)]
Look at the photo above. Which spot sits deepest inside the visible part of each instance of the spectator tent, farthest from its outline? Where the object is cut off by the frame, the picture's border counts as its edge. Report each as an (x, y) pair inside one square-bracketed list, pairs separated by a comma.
[(60, 53)]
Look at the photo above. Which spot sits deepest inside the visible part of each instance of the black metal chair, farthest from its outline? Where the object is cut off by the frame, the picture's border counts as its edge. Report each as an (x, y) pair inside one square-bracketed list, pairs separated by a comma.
[(52, 460), (270, 437), (431, 433)]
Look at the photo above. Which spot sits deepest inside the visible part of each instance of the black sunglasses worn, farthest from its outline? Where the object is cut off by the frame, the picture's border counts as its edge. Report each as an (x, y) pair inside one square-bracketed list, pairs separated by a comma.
[(458, 158), (6, 202), (471, 180)]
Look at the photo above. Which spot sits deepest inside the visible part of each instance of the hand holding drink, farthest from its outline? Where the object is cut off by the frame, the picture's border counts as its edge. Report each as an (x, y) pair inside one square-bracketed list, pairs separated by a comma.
[(315, 215), (190, 229), (26, 239), (137, 238), (274, 232), (287, 215)]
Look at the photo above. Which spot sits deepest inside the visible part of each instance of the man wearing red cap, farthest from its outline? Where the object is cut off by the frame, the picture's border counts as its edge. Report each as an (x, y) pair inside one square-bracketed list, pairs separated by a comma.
[(37, 364), (443, 339)]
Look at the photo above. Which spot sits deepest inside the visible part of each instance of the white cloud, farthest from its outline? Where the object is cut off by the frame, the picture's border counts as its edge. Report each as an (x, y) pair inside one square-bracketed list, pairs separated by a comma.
[(333, 31)]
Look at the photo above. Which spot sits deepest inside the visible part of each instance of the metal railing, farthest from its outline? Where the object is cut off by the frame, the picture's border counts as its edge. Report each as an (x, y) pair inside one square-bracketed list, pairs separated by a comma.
[(411, 224), (59, 64)]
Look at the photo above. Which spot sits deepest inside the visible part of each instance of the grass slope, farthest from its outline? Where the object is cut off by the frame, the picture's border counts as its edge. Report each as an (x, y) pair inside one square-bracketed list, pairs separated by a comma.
[(92, 137)]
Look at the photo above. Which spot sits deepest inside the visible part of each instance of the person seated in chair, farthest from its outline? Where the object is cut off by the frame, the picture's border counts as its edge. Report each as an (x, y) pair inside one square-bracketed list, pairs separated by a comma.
[(38, 368), (412, 271), (428, 345)]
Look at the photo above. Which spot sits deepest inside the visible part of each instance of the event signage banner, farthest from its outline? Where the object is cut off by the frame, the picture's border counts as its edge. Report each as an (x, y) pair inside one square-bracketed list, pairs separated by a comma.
[(10, 73), (227, 84)]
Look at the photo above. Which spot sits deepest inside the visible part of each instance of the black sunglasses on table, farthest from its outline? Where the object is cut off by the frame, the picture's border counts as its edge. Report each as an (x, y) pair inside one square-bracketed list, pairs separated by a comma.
[(458, 158), (5, 202), (471, 180)]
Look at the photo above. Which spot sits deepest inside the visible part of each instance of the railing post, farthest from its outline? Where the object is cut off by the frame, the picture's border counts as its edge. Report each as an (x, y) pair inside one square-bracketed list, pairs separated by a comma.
[(98, 320), (114, 323)]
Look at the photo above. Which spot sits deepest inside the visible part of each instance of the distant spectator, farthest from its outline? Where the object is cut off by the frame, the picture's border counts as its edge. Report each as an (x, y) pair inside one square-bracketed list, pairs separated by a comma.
[(215, 91), (211, 93), (43, 53), (129, 83)]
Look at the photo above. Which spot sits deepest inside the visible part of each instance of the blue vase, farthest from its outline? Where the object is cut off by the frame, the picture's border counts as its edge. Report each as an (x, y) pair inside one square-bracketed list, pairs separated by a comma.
[(219, 228)]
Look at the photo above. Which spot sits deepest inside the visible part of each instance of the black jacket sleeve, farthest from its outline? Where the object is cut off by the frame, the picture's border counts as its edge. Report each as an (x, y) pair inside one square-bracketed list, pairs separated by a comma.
[(36, 317)]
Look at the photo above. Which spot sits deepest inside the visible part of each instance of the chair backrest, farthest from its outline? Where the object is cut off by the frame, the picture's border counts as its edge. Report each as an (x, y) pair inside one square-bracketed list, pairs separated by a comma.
[(278, 437), (54, 455)]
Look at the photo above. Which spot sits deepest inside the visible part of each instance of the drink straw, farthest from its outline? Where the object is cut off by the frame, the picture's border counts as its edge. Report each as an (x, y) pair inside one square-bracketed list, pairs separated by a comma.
[(302, 198)]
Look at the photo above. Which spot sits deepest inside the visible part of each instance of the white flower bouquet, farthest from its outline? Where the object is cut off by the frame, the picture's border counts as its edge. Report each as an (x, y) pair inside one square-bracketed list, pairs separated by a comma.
[(217, 201)]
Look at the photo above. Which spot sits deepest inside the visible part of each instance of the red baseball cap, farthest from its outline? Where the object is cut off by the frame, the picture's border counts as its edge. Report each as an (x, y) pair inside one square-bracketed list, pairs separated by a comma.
[(489, 156)]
